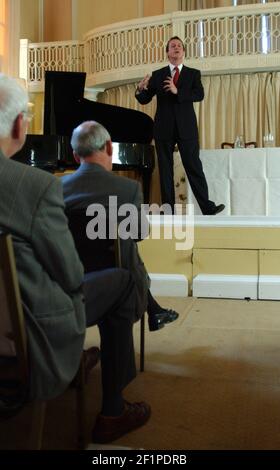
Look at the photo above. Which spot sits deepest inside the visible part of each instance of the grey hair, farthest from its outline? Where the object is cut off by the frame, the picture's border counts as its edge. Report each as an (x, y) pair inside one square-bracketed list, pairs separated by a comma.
[(88, 138), (13, 101)]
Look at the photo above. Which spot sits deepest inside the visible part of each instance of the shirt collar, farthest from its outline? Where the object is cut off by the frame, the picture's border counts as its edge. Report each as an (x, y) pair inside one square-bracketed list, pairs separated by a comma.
[(172, 67)]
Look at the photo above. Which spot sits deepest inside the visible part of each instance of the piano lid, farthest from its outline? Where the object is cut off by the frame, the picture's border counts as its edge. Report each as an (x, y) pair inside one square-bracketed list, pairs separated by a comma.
[(65, 108)]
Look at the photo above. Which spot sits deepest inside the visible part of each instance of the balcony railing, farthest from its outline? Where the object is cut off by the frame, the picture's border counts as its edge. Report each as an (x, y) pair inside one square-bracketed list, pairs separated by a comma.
[(218, 40)]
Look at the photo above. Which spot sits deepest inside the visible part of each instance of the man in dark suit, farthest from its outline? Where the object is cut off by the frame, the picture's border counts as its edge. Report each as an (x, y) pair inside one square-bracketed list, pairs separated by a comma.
[(95, 183), (177, 87), (58, 302)]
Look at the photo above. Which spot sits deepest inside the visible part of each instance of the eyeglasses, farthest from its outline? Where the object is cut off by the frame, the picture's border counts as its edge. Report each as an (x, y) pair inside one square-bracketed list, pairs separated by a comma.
[(29, 116)]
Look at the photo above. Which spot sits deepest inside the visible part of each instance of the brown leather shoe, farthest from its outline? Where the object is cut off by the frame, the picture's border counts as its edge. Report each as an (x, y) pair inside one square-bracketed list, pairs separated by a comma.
[(91, 358), (109, 428)]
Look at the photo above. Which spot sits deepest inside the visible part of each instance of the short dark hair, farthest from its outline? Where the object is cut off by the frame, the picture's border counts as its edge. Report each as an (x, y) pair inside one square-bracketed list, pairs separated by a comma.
[(171, 39)]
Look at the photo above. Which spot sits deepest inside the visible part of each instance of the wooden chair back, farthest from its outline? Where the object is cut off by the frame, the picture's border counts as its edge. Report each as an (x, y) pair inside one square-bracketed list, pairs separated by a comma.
[(14, 365), (14, 372), (231, 145)]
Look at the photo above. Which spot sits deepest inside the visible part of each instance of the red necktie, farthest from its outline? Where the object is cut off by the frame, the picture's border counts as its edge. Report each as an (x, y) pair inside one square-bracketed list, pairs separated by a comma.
[(176, 75)]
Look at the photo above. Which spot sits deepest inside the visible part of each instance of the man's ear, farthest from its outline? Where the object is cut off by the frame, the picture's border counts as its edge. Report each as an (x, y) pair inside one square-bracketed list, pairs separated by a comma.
[(17, 128), (77, 158), (109, 148)]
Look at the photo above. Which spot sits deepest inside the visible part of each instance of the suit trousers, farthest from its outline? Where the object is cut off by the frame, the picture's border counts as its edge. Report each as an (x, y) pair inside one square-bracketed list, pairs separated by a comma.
[(189, 151), (110, 301)]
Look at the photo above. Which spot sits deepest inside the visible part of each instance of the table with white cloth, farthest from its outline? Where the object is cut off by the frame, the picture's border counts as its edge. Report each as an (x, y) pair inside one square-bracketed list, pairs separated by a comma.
[(246, 180)]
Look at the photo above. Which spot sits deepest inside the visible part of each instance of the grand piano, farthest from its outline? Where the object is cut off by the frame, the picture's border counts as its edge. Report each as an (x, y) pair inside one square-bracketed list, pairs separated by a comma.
[(65, 107)]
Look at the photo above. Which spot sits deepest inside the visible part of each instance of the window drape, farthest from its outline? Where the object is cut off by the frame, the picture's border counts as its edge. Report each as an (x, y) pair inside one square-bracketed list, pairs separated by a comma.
[(9, 36), (247, 104), (201, 4), (3, 42), (188, 5), (236, 104)]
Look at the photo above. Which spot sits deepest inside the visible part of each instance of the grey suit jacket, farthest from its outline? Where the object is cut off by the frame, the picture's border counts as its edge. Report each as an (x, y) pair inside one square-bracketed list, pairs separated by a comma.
[(50, 274), (174, 112), (91, 183)]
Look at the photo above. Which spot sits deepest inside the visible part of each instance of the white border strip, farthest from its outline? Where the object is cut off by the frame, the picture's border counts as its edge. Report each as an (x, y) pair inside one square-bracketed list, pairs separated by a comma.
[(215, 221)]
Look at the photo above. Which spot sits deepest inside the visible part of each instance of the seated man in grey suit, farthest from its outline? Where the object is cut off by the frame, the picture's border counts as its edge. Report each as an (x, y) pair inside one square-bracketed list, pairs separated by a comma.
[(58, 301), (94, 183)]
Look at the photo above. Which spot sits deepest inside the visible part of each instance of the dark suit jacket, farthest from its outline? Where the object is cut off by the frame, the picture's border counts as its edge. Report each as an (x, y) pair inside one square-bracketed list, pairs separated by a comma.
[(92, 184), (174, 112), (50, 274)]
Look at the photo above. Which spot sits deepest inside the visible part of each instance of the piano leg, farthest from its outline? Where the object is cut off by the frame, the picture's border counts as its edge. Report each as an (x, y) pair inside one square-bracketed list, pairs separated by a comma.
[(142, 343)]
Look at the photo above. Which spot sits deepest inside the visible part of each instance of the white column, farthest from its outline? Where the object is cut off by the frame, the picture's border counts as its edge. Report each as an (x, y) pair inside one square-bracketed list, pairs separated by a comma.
[(23, 59), (41, 20)]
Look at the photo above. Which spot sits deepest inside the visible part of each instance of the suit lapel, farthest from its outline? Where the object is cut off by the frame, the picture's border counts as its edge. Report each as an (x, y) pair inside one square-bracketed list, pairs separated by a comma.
[(166, 72), (183, 75)]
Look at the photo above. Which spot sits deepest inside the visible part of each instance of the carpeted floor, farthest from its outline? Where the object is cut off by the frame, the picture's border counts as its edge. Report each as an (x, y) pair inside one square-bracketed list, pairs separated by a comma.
[(212, 379)]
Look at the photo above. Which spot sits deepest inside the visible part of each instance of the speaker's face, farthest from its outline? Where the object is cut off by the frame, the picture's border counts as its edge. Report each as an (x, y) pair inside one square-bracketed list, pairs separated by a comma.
[(175, 51)]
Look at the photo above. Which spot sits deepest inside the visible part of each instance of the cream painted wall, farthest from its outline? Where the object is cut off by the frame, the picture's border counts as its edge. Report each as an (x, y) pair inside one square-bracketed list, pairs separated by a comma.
[(269, 262), (219, 261), (93, 13), (222, 250), (89, 14), (29, 20)]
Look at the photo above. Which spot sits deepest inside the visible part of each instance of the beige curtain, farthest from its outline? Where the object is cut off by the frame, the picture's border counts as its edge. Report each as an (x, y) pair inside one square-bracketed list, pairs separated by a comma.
[(250, 2), (201, 4), (276, 97), (237, 104), (247, 104)]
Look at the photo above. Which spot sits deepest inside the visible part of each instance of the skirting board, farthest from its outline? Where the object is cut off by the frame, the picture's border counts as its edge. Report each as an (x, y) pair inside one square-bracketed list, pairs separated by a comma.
[(169, 285), (269, 287), (225, 286)]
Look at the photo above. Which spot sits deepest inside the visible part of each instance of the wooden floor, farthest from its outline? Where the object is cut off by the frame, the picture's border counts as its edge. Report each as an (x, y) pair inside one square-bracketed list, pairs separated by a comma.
[(212, 379)]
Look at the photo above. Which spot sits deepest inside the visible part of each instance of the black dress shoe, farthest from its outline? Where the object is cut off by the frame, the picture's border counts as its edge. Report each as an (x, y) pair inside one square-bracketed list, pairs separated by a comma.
[(170, 315), (157, 320), (216, 210)]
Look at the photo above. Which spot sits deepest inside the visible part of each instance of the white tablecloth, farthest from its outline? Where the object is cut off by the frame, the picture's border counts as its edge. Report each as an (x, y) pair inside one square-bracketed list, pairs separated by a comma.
[(247, 181)]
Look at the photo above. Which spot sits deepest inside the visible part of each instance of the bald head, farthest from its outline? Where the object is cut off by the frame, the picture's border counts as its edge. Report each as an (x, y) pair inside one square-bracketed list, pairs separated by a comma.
[(88, 138), (91, 143)]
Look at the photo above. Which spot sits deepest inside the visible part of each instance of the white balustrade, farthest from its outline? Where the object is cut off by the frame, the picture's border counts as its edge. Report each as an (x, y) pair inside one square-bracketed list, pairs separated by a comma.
[(218, 40), (36, 58)]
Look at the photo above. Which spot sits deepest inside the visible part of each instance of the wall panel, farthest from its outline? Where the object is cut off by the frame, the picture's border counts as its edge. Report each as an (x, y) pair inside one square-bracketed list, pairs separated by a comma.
[(94, 13), (29, 20), (57, 20), (154, 8)]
